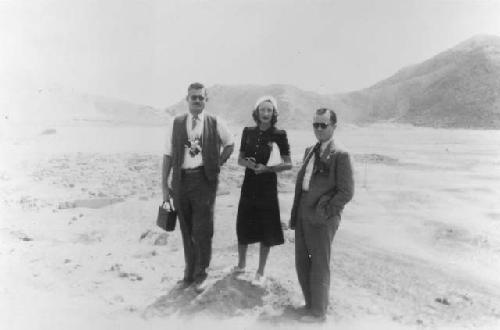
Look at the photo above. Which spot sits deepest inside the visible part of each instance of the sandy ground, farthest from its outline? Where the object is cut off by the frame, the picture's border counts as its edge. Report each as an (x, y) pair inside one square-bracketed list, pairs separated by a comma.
[(418, 247)]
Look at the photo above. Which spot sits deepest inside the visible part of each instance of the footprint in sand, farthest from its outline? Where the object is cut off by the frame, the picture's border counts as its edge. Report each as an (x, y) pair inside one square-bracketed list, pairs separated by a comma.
[(89, 238), (154, 237), (130, 276), (21, 236)]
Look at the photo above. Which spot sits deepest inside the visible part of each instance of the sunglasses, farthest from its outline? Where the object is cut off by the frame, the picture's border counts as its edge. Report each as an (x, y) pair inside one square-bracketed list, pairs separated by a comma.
[(322, 125), (197, 97)]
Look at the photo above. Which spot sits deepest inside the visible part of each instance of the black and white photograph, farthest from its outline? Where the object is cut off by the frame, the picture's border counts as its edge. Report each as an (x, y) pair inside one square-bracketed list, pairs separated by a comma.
[(250, 164)]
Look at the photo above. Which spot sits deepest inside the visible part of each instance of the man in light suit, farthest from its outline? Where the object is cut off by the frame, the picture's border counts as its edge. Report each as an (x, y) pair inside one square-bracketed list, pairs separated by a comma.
[(324, 185)]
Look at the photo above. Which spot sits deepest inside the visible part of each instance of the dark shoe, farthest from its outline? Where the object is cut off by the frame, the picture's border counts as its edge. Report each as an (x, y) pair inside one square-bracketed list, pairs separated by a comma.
[(200, 286), (184, 283), (312, 319), (303, 310)]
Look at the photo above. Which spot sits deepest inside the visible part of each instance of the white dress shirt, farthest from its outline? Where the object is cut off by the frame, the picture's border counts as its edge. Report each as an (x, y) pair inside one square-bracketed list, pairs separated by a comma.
[(196, 134), (310, 165)]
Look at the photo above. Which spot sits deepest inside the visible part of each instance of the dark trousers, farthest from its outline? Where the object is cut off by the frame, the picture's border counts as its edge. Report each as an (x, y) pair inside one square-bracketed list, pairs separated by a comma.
[(312, 259), (196, 218)]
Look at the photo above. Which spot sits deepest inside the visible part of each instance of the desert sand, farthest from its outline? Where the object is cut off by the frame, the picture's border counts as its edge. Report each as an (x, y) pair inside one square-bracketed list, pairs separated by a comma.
[(418, 247)]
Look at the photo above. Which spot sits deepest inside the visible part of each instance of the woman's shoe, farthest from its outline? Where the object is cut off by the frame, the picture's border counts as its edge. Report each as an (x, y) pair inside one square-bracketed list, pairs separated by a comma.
[(237, 270), (259, 280)]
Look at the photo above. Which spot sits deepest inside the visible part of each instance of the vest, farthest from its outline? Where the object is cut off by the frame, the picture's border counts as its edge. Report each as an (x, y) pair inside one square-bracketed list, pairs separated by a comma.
[(210, 153)]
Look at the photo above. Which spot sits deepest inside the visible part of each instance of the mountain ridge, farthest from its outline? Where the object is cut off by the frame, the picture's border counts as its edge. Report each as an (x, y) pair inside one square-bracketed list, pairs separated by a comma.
[(459, 87)]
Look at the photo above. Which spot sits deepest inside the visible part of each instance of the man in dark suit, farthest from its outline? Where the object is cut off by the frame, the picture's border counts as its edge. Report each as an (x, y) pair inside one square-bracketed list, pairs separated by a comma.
[(324, 185), (193, 153)]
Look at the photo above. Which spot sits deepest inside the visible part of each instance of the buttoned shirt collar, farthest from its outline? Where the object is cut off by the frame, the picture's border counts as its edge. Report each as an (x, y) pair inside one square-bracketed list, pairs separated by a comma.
[(201, 116)]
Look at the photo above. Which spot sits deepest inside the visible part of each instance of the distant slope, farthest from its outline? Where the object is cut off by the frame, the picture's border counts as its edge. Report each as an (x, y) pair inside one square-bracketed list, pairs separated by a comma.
[(456, 88), (59, 105), (235, 103)]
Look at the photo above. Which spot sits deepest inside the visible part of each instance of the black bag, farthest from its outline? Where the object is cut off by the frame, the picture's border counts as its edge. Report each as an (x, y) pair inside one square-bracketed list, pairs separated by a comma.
[(166, 217)]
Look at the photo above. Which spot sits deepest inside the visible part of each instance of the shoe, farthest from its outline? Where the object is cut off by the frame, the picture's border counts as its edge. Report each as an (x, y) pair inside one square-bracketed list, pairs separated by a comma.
[(303, 310), (183, 284), (312, 319), (237, 270), (200, 286), (259, 280)]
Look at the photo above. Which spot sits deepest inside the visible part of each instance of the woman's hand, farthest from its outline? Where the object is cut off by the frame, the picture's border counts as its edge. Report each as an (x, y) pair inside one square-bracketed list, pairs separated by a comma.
[(251, 163), (260, 168), (246, 161)]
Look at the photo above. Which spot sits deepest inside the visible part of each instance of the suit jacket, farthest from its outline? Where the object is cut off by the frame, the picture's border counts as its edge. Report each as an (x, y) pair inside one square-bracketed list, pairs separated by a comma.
[(330, 188)]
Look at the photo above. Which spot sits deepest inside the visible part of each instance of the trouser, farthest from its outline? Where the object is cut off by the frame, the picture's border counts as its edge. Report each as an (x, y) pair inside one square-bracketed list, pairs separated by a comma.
[(196, 202), (312, 258)]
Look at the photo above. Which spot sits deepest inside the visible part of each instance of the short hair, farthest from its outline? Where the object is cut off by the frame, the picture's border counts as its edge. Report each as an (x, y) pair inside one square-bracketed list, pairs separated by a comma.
[(333, 115), (196, 85), (255, 113)]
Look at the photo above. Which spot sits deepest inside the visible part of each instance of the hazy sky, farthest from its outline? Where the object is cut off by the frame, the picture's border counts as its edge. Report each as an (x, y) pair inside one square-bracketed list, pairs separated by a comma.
[(149, 51)]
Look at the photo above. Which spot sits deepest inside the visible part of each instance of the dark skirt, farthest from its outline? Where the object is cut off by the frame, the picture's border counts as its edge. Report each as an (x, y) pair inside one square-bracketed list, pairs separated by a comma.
[(258, 210)]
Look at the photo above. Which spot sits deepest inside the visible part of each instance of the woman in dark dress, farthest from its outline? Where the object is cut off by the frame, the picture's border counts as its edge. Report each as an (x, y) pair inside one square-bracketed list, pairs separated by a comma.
[(258, 210)]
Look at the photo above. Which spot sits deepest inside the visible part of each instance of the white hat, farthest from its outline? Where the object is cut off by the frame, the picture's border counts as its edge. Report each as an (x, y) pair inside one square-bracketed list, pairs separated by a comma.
[(267, 98)]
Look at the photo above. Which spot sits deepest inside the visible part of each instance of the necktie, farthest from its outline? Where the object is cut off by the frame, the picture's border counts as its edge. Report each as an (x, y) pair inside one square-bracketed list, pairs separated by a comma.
[(317, 156), (309, 168), (193, 123)]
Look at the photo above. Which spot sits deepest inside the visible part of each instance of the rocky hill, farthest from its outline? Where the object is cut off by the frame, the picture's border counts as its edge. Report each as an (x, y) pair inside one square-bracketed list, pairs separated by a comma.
[(459, 87)]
